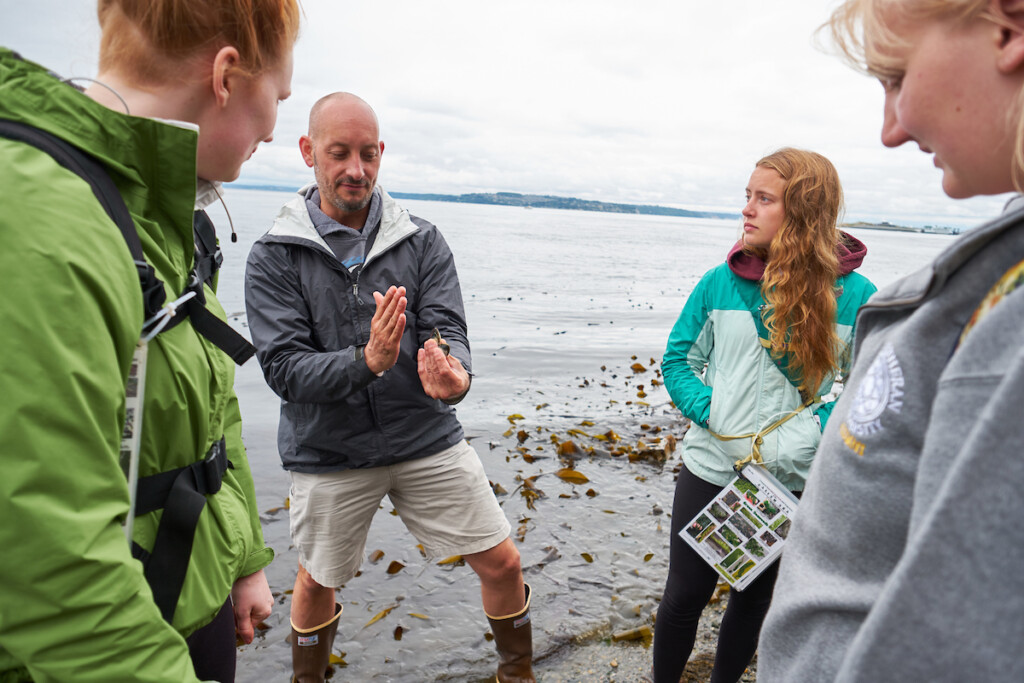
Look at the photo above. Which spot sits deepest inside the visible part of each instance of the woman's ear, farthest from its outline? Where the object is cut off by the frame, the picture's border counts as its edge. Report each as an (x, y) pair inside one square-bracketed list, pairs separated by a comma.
[(224, 70), (1010, 15)]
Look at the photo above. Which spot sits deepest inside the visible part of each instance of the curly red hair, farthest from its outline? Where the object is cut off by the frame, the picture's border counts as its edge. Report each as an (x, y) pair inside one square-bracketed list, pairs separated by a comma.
[(802, 266)]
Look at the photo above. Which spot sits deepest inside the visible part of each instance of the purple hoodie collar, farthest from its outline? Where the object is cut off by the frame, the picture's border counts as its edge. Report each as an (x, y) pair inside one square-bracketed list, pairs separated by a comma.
[(850, 250)]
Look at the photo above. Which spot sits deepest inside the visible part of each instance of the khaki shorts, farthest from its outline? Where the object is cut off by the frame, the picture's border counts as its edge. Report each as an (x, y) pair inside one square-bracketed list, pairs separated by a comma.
[(331, 512)]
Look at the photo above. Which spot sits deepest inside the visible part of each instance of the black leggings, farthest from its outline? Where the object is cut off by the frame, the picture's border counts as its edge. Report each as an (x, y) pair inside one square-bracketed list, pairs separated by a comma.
[(213, 647), (691, 582)]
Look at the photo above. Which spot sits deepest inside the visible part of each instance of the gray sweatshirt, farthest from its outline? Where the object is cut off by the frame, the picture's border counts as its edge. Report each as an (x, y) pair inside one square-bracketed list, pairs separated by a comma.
[(906, 558)]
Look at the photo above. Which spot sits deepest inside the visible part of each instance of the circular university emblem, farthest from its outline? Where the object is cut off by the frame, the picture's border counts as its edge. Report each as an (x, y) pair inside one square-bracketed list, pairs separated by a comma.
[(881, 389)]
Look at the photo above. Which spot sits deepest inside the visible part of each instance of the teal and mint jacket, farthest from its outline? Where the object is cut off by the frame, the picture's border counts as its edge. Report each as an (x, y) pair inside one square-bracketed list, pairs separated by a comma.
[(722, 378), (74, 604)]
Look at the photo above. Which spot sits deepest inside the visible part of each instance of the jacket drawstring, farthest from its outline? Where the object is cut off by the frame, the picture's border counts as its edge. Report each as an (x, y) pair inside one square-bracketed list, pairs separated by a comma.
[(758, 436)]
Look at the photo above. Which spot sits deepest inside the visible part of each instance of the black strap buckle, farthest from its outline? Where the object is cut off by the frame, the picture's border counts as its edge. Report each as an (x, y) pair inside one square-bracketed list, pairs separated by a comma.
[(182, 495), (209, 473), (195, 284), (153, 490), (153, 294)]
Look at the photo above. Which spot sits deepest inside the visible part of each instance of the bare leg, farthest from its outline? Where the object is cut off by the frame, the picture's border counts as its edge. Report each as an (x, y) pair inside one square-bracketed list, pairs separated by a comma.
[(312, 604), (501, 579), (506, 605)]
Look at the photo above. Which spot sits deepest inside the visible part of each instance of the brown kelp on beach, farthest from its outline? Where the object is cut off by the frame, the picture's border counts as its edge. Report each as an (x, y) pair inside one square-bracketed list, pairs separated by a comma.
[(584, 473)]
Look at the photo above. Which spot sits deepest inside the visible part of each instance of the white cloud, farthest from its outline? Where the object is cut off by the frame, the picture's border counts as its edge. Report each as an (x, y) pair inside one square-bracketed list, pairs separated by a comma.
[(654, 101)]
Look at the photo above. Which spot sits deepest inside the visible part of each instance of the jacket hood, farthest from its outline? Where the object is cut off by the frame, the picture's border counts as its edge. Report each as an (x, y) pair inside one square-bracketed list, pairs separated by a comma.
[(850, 250), (152, 162), (31, 94), (293, 225)]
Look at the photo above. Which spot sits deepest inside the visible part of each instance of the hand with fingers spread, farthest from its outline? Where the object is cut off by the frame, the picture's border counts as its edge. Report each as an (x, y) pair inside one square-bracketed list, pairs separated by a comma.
[(386, 329), (442, 375)]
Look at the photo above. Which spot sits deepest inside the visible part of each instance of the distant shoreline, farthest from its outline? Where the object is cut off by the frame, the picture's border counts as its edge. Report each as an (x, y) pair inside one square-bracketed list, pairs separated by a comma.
[(884, 225), (530, 201)]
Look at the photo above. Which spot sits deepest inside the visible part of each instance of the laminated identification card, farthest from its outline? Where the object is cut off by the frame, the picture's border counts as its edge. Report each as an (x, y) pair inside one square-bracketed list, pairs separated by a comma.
[(135, 393), (742, 531)]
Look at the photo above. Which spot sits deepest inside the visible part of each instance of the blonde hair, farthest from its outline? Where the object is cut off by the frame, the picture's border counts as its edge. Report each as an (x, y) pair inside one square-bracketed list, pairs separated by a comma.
[(149, 40), (863, 32), (802, 266)]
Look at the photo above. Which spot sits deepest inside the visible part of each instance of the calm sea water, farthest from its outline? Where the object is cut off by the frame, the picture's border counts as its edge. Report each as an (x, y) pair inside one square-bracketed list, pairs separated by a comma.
[(560, 304)]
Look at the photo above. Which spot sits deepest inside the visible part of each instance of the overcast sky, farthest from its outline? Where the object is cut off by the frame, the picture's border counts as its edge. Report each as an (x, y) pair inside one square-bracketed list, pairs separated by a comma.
[(653, 101)]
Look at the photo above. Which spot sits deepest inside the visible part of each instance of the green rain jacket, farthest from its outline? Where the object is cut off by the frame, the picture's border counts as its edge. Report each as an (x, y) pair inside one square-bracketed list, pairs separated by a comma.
[(720, 375), (74, 605)]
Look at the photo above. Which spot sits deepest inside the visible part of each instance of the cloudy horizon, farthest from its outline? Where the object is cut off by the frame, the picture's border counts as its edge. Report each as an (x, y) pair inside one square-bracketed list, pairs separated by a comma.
[(660, 102)]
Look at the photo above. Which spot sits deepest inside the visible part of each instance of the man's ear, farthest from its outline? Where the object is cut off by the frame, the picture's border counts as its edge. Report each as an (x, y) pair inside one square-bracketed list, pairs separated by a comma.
[(1011, 34), (306, 147), (381, 146), (224, 70)]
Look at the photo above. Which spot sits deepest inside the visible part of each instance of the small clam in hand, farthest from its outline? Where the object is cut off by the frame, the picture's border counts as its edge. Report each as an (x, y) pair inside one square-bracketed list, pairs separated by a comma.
[(436, 336)]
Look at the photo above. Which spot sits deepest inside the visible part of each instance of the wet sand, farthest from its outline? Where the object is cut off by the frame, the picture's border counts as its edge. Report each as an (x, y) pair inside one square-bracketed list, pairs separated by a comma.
[(602, 660), (552, 298), (595, 553), (559, 303)]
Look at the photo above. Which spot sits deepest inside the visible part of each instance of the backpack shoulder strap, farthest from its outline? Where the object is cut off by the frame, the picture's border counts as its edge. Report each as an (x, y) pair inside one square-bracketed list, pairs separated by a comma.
[(181, 493), (109, 197), (208, 255)]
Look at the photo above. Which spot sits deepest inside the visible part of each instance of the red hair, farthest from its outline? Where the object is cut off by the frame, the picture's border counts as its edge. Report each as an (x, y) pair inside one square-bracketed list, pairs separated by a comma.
[(149, 40), (802, 267)]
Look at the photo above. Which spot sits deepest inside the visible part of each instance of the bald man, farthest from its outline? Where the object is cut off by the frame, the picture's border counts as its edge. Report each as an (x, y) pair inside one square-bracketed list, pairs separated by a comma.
[(344, 295)]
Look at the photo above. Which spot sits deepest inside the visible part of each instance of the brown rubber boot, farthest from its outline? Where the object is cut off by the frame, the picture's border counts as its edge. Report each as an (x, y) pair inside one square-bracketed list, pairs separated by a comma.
[(311, 649), (513, 636)]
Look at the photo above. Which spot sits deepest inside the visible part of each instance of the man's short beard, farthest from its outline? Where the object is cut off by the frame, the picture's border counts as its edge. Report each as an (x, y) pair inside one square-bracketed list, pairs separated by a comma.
[(334, 200), (349, 207)]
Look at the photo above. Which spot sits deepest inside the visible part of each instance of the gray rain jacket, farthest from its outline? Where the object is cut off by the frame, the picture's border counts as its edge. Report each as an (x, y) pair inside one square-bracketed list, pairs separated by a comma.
[(310, 317)]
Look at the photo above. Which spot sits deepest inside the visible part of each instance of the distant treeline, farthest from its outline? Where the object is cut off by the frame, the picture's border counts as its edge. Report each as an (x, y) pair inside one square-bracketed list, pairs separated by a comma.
[(529, 200), (550, 202)]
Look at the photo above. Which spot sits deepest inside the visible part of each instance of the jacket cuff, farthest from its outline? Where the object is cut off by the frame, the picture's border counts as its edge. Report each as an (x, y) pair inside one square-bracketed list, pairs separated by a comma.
[(705, 416), (258, 560), (824, 412), (360, 361), (457, 399)]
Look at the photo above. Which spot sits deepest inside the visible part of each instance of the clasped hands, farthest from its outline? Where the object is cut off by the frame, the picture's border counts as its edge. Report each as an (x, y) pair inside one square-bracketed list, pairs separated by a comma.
[(442, 377)]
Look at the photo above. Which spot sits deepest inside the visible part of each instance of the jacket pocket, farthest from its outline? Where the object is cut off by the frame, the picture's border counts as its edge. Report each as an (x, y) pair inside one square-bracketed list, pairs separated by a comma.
[(797, 444), (300, 416)]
